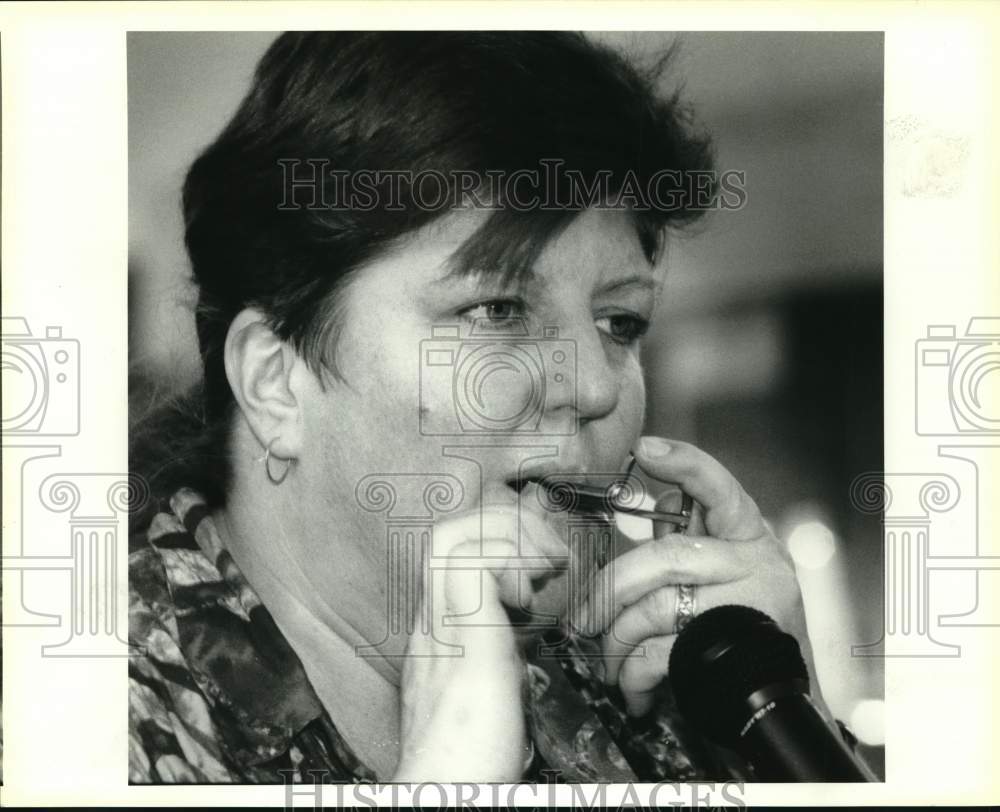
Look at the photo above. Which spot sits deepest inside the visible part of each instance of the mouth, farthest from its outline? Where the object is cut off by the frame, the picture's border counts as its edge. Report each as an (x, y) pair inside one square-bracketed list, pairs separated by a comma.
[(574, 503), (531, 487), (519, 483), (564, 492), (596, 496)]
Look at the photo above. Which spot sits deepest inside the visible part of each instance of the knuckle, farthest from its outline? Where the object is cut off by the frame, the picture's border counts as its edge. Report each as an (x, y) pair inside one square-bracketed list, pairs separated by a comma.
[(648, 610), (745, 499), (667, 548), (669, 501), (640, 672), (663, 602), (733, 491), (658, 652)]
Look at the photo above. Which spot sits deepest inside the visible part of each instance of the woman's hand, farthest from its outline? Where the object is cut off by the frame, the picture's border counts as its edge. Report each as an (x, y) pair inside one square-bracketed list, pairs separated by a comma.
[(462, 715), (728, 553)]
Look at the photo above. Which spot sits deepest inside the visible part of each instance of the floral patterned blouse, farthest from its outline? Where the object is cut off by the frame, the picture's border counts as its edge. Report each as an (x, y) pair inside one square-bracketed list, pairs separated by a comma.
[(217, 695)]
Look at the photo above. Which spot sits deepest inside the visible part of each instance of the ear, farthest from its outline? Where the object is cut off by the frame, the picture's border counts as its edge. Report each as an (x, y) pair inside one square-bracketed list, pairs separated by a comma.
[(259, 367)]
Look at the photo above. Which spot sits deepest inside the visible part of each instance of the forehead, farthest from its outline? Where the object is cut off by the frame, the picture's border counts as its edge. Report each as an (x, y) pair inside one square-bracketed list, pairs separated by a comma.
[(599, 240), (596, 243)]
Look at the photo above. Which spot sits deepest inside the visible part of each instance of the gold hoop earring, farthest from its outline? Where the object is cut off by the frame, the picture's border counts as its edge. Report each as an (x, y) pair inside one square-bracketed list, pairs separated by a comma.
[(275, 480)]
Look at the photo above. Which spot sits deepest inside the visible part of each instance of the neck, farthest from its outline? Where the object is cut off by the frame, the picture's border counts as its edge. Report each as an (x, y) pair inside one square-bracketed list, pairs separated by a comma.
[(326, 628)]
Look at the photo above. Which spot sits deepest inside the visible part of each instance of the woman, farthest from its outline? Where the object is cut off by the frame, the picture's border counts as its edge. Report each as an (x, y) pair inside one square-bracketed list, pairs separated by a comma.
[(370, 189)]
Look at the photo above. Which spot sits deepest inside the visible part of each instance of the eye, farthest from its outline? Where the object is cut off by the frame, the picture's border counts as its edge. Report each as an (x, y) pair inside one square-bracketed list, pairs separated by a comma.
[(624, 328), (495, 311)]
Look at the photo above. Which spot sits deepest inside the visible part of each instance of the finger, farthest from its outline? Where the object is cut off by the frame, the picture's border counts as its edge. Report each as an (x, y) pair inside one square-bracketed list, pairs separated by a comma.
[(729, 512), (669, 502), (513, 570), (652, 615), (499, 540), (531, 536), (672, 559), (473, 580), (672, 501), (644, 669), (483, 633), (696, 524)]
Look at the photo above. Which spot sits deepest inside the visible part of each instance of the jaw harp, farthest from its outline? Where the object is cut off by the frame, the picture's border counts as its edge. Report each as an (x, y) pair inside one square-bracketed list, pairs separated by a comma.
[(583, 498)]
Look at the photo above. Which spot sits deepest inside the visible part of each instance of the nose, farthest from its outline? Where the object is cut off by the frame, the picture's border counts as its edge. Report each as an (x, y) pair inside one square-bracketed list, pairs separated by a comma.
[(596, 386)]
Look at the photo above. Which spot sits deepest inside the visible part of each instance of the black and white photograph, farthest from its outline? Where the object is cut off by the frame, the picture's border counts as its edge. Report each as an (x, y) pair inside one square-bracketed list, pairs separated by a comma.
[(484, 384), (447, 404)]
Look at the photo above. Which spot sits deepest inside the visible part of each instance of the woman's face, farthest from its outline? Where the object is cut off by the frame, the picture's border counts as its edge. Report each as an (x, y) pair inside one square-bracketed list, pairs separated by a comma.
[(439, 379)]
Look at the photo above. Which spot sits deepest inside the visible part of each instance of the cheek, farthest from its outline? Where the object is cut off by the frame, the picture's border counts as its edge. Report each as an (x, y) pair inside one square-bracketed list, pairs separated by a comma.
[(622, 428), (634, 397), (358, 426), (381, 376)]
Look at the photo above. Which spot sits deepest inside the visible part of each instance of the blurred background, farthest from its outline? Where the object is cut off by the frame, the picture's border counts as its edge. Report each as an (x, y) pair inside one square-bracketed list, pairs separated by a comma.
[(768, 350)]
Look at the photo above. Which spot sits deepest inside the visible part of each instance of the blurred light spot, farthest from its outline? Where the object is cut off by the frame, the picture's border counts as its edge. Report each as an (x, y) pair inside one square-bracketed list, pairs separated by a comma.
[(715, 357), (868, 721), (811, 544)]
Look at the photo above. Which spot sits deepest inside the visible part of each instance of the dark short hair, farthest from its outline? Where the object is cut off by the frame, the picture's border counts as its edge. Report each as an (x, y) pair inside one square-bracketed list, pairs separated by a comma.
[(409, 101)]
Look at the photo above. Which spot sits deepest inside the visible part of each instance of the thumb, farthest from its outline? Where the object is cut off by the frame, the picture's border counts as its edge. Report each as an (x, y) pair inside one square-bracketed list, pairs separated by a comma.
[(729, 512)]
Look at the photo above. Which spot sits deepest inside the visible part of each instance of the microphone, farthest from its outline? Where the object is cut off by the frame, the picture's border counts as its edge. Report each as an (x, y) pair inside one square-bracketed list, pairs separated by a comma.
[(742, 681)]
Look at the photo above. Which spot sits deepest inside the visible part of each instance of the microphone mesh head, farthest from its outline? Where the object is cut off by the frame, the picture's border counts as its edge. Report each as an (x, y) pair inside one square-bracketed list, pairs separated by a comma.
[(722, 657)]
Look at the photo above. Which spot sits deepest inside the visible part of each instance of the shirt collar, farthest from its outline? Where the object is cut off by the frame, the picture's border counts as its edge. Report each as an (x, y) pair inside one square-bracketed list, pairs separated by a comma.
[(257, 687)]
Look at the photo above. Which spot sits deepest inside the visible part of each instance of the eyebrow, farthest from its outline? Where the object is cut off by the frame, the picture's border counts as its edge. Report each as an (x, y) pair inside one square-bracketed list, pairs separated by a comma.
[(453, 274), (642, 281), (637, 280)]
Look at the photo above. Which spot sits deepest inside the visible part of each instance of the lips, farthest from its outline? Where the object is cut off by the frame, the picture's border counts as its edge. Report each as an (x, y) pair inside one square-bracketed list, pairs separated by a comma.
[(536, 476), (531, 496)]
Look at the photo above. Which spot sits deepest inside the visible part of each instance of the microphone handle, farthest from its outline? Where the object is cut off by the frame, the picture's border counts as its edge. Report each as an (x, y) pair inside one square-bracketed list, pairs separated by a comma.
[(788, 740)]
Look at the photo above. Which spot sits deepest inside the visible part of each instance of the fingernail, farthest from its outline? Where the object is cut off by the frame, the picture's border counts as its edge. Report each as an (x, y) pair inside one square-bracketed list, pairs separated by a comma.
[(653, 447)]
